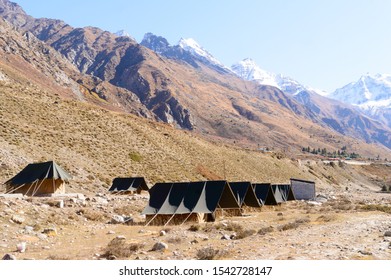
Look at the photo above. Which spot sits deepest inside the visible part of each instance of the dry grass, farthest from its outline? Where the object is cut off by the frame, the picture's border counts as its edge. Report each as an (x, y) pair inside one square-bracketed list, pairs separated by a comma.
[(118, 249), (208, 253), (93, 215), (265, 230), (294, 225), (375, 207), (245, 233), (326, 218)]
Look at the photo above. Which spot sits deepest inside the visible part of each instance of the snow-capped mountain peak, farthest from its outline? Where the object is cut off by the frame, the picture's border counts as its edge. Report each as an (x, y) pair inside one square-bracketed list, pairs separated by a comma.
[(191, 46), (248, 70), (369, 90), (122, 33)]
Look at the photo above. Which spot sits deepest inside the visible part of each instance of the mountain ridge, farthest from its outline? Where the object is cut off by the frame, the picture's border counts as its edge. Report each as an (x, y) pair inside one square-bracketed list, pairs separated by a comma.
[(183, 90)]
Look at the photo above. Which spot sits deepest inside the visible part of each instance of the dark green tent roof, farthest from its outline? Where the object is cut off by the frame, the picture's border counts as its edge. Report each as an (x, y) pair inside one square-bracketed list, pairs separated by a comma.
[(286, 191), (128, 184), (186, 198), (39, 171), (267, 194), (244, 194), (173, 199), (278, 194), (157, 195)]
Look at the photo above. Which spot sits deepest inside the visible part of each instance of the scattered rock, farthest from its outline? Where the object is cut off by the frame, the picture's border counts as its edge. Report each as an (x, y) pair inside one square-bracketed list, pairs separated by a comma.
[(17, 219), (60, 203), (388, 233), (50, 231), (280, 214), (159, 246), (365, 252), (9, 257), (21, 247), (111, 232), (117, 219), (28, 229), (316, 203), (226, 237), (42, 236), (162, 233), (121, 237)]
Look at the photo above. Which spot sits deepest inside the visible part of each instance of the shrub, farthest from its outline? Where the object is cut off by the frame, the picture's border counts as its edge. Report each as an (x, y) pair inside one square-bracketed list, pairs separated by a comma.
[(195, 227), (231, 226), (326, 218), (119, 248), (245, 233), (134, 156), (265, 230), (209, 253), (376, 207), (294, 225)]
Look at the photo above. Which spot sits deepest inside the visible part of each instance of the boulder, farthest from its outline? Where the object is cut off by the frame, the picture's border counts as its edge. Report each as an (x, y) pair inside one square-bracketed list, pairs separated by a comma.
[(21, 247), (160, 246), (117, 219), (17, 219), (9, 257)]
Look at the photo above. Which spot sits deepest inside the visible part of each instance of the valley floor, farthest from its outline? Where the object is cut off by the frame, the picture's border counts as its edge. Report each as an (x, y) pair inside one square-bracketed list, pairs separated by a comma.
[(343, 225)]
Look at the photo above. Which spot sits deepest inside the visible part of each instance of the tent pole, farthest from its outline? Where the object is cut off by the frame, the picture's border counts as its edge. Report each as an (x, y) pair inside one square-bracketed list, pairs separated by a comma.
[(36, 190), (12, 190), (169, 220), (35, 183), (187, 218), (151, 219)]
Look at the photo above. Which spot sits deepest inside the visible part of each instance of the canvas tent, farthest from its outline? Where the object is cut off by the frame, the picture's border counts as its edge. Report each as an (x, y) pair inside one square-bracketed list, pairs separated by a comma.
[(177, 203), (266, 195), (244, 194), (39, 179), (285, 190), (302, 189), (128, 185)]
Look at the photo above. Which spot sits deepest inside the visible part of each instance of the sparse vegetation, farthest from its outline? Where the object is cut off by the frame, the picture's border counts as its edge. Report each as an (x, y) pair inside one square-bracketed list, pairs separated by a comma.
[(245, 233), (209, 253), (119, 248), (376, 207), (195, 227), (294, 225), (136, 157), (265, 230)]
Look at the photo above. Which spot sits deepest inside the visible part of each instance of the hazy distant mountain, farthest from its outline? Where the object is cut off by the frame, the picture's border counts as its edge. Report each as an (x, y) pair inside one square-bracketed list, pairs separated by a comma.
[(371, 93)]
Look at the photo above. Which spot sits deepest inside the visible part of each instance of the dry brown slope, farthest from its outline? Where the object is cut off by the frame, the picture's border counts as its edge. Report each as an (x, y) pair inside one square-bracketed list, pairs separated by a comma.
[(96, 145)]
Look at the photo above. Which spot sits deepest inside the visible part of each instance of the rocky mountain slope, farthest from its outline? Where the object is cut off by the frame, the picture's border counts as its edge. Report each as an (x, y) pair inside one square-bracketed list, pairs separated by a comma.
[(341, 117), (175, 85)]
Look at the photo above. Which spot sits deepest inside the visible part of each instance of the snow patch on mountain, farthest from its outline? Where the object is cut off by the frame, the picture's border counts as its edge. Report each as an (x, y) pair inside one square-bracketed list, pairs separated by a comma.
[(191, 46), (123, 33), (370, 92), (248, 70)]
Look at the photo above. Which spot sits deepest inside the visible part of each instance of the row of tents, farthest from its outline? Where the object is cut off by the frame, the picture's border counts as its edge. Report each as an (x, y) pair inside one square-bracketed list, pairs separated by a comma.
[(176, 202), (179, 202)]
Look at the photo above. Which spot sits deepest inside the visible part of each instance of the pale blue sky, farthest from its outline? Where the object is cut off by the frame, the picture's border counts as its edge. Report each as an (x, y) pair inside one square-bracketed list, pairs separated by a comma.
[(322, 44)]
